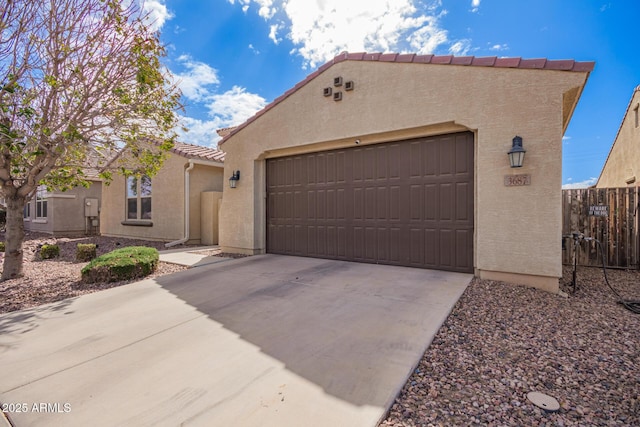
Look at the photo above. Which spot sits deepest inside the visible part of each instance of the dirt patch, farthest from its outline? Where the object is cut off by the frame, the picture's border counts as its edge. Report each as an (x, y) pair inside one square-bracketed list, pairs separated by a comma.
[(51, 280)]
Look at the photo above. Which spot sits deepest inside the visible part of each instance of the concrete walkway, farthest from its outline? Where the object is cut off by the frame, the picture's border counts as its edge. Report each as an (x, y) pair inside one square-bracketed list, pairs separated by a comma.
[(261, 341), (191, 257)]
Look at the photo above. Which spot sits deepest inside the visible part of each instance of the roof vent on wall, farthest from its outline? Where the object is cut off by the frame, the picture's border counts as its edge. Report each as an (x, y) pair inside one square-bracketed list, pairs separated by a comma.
[(349, 85), (337, 81), (327, 91), (337, 96)]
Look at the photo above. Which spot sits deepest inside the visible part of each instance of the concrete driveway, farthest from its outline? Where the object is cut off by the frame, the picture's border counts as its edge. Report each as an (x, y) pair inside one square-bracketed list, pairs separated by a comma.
[(262, 341)]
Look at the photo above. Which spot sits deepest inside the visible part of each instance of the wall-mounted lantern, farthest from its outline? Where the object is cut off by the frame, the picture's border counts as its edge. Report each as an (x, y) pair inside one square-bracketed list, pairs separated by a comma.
[(235, 177), (516, 154)]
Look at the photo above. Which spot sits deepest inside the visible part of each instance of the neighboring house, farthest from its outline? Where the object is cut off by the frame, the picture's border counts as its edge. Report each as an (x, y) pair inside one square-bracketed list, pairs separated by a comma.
[(179, 204), (622, 167), (402, 159), (73, 212)]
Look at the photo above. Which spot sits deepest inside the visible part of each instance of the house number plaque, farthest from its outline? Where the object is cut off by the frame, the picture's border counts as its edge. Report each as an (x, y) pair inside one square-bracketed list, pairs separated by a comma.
[(517, 180)]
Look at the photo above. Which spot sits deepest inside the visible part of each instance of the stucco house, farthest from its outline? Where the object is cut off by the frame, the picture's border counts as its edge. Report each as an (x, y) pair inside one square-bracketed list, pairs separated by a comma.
[(177, 205), (402, 159), (622, 167), (74, 212)]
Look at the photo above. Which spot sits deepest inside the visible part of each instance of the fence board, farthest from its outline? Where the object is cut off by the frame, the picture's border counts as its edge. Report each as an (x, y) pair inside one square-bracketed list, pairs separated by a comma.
[(618, 230)]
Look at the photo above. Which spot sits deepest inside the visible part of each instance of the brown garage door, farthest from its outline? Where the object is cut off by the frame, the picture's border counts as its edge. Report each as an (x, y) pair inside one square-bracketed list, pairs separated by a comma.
[(403, 203)]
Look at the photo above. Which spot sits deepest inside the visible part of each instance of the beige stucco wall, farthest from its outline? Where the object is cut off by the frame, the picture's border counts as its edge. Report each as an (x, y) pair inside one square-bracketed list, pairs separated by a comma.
[(65, 211), (622, 167), (517, 229), (167, 202)]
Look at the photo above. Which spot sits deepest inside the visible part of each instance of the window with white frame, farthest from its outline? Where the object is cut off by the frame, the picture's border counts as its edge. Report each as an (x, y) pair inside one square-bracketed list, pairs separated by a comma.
[(139, 197), (26, 212), (41, 202)]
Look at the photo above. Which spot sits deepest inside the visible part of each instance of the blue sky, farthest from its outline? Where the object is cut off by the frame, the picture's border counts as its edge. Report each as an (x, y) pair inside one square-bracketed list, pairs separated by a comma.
[(232, 57)]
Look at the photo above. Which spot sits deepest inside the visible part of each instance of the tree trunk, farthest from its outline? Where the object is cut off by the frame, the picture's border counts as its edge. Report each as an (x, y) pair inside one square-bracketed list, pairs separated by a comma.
[(14, 236)]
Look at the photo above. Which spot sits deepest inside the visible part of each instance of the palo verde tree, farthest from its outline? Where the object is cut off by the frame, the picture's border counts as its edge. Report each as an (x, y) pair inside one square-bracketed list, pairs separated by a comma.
[(80, 80)]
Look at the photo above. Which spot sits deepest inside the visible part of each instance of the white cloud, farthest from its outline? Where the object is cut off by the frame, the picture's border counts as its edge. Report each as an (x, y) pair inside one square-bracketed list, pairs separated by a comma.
[(273, 33), (322, 29), (200, 132), (157, 13), (200, 87), (460, 48), (234, 106), (197, 81), (499, 47), (475, 5), (582, 184)]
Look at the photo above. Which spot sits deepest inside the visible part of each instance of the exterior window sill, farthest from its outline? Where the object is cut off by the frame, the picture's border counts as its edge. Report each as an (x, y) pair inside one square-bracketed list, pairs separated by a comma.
[(137, 223), (26, 219), (39, 221)]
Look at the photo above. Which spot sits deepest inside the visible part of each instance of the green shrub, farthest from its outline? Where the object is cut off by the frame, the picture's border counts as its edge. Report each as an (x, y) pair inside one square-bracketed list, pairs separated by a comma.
[(85, 251), (122, 264), (1, 246), (49, 251)]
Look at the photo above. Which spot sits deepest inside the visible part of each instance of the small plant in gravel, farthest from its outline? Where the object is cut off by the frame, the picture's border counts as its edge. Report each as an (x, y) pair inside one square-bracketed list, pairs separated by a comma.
[(85, 251), (122, 264), (49, 251)]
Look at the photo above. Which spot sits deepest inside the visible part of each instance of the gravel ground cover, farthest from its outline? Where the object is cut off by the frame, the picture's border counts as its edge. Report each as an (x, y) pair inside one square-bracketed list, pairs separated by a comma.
[(503, 341), (56, 279)]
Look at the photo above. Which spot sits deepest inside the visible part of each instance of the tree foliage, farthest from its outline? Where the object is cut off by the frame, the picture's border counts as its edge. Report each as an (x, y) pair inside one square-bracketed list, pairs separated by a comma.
[(80, 80)]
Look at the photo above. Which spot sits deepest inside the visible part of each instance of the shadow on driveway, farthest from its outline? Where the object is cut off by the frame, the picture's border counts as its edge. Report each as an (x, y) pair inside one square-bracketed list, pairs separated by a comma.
[(356, 330)]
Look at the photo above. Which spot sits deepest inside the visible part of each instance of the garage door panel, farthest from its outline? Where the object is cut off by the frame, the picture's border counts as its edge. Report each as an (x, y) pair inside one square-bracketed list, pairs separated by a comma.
[(300, 243), (445, 202), (395, 245), (321, 205), (464, 210), (431, 245), (370, 243), (394, 203), (416, 168), (415, 202), (416, 239), (464, 257), (446, 248), (403, 203)]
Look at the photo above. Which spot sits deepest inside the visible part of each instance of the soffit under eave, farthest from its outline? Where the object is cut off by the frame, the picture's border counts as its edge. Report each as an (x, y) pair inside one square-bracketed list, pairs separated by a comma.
[(570, 100)]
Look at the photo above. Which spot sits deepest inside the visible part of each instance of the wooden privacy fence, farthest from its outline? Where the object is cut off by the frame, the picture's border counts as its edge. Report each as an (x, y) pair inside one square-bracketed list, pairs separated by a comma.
[(607, 214)]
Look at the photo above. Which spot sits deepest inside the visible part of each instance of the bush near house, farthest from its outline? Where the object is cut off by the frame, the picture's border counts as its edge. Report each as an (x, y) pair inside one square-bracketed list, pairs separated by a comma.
[(49, 251), (122, 264), (1, 246), (85, 251)]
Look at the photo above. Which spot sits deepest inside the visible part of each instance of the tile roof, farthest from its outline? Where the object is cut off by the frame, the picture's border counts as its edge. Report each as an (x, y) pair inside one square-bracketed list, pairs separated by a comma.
[(489, 61), (191, 151), (225, 131)]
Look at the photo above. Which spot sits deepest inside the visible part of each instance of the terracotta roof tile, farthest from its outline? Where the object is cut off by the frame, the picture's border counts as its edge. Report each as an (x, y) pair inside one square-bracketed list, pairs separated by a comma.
[(486, 61), (225, 131), (461, 60), (491, 61), (406, 57), (446, 59), (388, 57), (191, 151), (533, 63), (507, 62), (423, 59)]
